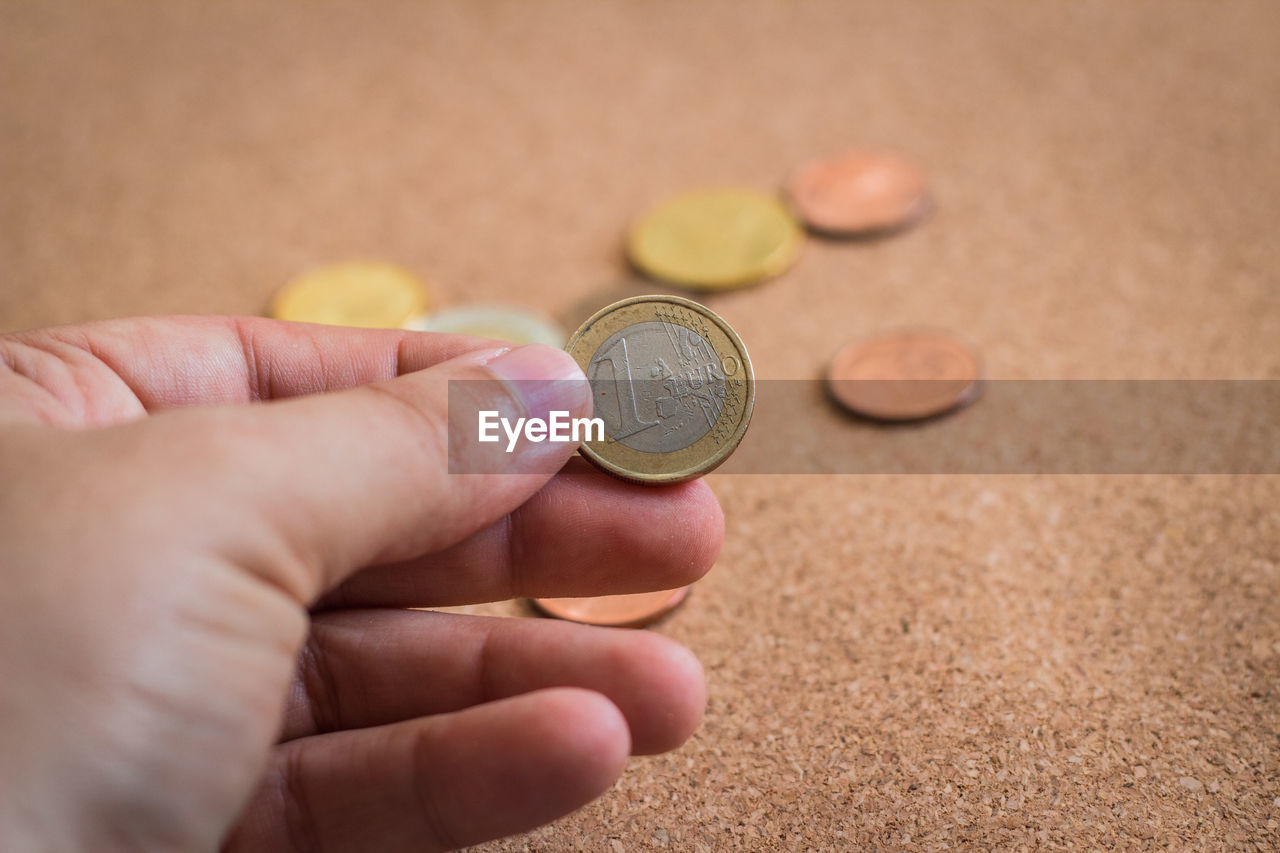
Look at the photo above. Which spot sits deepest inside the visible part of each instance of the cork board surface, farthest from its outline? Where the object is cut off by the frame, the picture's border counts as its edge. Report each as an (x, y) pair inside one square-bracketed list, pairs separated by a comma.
[(910, 662)]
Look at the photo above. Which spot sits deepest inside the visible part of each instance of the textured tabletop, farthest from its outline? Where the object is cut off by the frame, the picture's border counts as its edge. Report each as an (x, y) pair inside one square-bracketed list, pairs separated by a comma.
[(903, 662)]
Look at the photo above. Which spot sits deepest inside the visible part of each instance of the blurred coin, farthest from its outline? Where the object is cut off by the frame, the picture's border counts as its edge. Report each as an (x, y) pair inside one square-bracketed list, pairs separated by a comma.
[(360, 293), (906, 375), (574, 313), (860, 192), (616, 611), (671, 381), (716, 239), (500, 322)]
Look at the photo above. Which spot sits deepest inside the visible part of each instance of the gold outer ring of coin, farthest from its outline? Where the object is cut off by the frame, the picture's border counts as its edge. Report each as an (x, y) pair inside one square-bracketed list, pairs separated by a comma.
[(716, 239), (860, 192), (635, 610), (887, 377), (355, 293), (708, 452)]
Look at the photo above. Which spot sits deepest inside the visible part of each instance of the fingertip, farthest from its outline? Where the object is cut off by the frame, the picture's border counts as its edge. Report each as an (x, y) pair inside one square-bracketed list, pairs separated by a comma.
[(544, 379), (668, 689), (689, 692), (585, 741), (667, 536), (702, 527), (516, 763), (443, 781), (712, 514)]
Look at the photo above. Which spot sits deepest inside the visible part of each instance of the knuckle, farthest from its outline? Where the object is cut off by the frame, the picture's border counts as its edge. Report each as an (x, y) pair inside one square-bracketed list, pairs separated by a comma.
[(429, 792), (319, 687), (298, 815), (425, 427)]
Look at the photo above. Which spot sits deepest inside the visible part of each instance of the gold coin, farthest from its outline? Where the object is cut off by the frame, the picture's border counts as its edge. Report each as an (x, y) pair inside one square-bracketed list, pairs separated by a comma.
[(500, 322), (360, 293), (716, 239), (673, 384)]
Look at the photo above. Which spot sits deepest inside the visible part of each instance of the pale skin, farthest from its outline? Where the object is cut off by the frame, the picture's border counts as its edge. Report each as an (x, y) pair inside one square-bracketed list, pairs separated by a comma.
[(203, 640)]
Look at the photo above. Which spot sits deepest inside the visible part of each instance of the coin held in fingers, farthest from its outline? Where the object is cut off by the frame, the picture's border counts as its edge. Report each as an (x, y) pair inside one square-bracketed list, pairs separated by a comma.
[(905, 376), (673, 384), (635, 610)]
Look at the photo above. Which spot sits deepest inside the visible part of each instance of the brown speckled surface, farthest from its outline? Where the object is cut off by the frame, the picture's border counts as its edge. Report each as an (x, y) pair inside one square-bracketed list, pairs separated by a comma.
[(905, 662)]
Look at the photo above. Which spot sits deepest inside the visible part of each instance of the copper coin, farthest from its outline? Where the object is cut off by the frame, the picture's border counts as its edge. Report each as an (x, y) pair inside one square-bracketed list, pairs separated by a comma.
[(905, 376), (860, 192), (616, 611)]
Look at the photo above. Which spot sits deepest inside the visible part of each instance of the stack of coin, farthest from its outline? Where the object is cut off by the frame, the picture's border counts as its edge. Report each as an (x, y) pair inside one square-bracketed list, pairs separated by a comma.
[(674, 386)]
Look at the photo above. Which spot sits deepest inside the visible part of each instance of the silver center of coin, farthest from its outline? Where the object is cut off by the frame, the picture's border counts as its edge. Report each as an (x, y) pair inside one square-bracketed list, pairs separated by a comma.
[(658, 386)]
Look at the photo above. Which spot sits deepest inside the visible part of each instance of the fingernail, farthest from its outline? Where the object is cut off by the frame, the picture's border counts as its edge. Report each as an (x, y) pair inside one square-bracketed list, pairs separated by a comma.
[(544, 379)]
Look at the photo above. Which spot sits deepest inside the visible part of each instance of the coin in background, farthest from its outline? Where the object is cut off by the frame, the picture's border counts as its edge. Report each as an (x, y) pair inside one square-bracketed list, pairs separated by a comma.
[(617, 611), (574, 313), (716, 239), (860, 192), (360, 293), (905, 376), (673, 384), (500, 322)]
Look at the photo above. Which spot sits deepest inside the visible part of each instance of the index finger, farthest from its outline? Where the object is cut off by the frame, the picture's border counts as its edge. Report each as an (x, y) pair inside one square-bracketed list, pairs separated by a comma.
[(168, 362), (303, 492)]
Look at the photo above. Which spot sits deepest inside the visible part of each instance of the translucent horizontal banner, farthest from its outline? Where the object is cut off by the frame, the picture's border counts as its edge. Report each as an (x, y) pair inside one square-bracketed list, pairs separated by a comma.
[(1008, 427)]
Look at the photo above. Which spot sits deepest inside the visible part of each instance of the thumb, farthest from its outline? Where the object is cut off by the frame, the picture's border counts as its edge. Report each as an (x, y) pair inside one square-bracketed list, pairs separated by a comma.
[(309, 490)]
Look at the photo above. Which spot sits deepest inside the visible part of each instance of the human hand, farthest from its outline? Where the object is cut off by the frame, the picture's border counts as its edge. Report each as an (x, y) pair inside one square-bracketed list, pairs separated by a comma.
[(195, 650)]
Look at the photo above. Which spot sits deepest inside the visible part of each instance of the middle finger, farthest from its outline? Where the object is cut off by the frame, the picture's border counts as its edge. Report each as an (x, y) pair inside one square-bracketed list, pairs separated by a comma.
[(584, 533), (374, 667)]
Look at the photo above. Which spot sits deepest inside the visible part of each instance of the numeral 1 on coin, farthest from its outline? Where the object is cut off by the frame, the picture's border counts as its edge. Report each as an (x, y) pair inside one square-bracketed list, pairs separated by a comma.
[(628, 414)]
